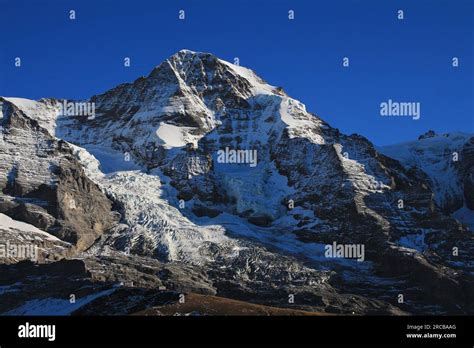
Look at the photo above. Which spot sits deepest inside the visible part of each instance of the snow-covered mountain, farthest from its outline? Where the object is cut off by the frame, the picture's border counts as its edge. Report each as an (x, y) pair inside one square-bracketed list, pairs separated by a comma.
[(254, 230), (448, 162)]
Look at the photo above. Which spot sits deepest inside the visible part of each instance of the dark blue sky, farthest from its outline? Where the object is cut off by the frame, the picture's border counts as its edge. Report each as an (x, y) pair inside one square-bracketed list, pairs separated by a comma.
[(407, 60)]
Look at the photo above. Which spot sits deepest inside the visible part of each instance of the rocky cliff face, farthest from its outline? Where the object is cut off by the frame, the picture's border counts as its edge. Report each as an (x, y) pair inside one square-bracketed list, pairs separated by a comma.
[(255, 224), (43, 184)]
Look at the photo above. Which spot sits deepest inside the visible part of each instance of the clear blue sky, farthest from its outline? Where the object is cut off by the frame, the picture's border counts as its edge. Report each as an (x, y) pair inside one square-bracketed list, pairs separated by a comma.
[(407, 60)]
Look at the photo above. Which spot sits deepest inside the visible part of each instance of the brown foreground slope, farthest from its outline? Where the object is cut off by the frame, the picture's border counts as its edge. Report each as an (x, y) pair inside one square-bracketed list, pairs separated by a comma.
[(196, 304)]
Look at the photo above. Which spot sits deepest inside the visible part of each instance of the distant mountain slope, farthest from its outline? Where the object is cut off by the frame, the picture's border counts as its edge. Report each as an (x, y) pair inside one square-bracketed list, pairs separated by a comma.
[(448, 162)]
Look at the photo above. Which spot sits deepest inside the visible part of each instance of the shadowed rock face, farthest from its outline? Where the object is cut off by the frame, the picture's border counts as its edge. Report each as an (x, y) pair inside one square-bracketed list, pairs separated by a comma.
[(237, 235), (467, 156), (43, 184)]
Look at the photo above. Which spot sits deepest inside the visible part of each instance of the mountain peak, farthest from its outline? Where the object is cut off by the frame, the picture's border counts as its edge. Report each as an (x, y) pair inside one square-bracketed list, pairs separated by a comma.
[(428, 134), (186, 55), (205, 71), (186, 52)]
